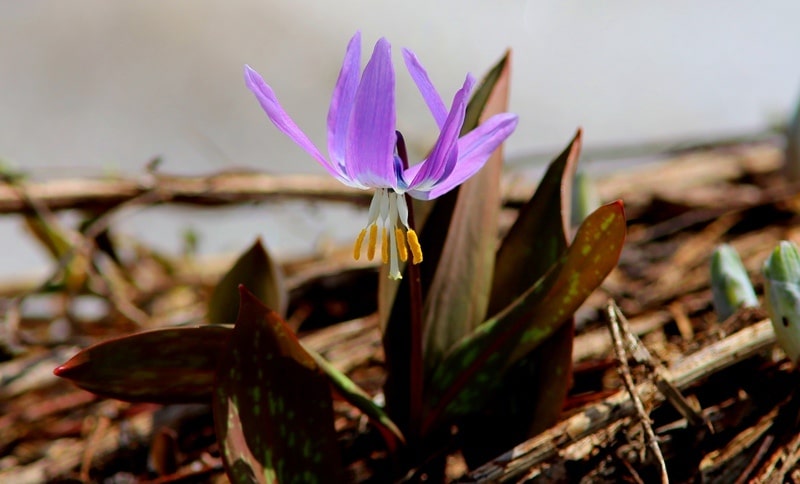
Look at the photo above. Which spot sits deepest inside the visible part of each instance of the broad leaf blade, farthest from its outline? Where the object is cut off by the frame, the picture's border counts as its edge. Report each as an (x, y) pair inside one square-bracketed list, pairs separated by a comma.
[(529, 399), (433, 220), (532, 392), (174, 365), (255, 270), (469, 373), (178, 365), (539, 235), (272, 404), (459, 293)]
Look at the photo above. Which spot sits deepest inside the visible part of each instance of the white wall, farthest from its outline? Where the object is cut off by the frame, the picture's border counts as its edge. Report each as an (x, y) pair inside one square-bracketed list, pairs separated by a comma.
[(89, 86)]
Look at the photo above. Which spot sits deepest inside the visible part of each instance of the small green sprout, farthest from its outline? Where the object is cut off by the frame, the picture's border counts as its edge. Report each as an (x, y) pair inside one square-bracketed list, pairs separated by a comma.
[(782, 274), (730, 284)]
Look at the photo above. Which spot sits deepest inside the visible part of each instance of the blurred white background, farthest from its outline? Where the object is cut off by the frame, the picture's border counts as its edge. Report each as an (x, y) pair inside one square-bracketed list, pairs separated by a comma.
[(91, 87)]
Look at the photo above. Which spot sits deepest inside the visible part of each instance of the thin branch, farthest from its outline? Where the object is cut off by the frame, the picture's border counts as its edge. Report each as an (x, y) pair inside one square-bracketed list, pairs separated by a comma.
[(82, 245), (643, 357), (627, 379), (231, 188)]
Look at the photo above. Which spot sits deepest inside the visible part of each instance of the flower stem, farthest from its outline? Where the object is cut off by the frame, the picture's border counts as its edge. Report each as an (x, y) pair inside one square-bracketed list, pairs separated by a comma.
[(415, 290)]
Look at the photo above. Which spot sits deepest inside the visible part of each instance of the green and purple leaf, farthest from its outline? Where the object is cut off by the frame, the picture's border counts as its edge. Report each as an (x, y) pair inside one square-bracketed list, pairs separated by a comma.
[(538, 237), (272, 404), (175, 365), (256, 270), (531, 394), (464, 381), (178, 365), (458, 296)]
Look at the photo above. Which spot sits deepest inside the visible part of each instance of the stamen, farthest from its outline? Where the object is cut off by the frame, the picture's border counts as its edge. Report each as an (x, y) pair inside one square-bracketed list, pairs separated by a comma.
[(359, 241), (385, 246), (394, 264), (373, 240), (413, 244), (402, 209), (401, 244)]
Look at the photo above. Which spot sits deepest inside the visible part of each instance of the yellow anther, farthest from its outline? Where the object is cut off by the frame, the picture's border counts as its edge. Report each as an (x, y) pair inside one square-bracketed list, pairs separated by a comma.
[(359, 242), (373, 239), (401, 244), (385, 246), (413, 244)]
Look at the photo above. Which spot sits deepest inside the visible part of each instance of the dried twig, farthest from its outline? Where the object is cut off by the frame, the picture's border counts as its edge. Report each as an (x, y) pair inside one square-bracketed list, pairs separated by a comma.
[(627, 379), (65, 454), (643, 357), (720, 460), (246, 187), (781, 462)]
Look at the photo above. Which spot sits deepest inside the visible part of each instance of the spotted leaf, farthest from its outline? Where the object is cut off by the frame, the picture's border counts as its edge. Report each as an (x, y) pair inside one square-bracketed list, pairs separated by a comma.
[(272, 404), (175, 365), (470, 371)]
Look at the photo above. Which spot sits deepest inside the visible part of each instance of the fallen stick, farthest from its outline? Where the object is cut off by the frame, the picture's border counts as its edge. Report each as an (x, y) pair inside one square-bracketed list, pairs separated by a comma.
[(230, 188), (625, 372)]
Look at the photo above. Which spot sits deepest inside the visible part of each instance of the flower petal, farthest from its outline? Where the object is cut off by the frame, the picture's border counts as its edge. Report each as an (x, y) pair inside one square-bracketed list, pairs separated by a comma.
[(425, 86), (342, 101), (269, 102), (443, 156), (371, 134), (474, 149)]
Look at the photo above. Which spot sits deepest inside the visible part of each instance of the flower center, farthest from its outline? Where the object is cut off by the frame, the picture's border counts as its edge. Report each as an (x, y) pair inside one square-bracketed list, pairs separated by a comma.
[(388, 214)]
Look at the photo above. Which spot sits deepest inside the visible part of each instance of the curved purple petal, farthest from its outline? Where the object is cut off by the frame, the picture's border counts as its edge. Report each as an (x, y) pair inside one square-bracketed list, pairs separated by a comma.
[(371, 134), (425, 86), (269, 102), (342, 101), (442, 159), (474, 149)]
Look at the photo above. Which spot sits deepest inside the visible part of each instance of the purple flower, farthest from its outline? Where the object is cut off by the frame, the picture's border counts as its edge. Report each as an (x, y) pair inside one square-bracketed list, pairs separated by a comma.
[(362, 140)]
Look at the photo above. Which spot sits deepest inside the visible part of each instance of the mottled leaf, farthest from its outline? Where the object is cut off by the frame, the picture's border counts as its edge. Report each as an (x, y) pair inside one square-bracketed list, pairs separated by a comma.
[(175, 365), (255, 270), (458, 297), (539, 235), (178, 365), (272, 404), (532, 392), (469, 373), (433, 220)]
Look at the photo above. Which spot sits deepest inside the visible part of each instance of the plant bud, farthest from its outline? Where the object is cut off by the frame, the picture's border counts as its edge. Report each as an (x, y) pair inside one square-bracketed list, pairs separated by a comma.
[(730, 284), (782, 274), (584, 198)]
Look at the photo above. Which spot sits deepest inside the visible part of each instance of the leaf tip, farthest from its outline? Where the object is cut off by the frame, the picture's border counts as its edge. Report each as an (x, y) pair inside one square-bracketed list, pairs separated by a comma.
[(247, 298), (578, 135), (72, 366)]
